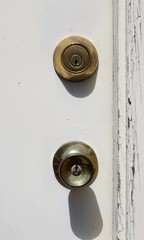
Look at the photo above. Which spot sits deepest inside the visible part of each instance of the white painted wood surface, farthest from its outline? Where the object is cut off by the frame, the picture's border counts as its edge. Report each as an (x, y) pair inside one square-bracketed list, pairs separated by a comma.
[(135, 119), (32, 203), (119, 120), (39, 113), (129, 113)]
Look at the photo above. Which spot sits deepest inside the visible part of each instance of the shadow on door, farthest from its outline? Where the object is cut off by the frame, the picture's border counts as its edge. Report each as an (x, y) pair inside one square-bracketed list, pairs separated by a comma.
[(80, 89), (85, 217)]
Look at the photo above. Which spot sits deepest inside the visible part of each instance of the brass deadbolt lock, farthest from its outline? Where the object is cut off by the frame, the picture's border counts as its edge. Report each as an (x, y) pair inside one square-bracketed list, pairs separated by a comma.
[(75, 165), (75, 59)]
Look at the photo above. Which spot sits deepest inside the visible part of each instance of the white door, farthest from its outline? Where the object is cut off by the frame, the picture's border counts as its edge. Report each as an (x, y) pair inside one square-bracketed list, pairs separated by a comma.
[(40, 112)]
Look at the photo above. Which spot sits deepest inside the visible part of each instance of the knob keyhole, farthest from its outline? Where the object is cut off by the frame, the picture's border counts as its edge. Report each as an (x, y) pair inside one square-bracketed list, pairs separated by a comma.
[(76, 170)]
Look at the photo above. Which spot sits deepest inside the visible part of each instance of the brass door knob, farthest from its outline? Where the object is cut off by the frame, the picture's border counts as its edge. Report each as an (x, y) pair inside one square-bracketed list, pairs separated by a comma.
[(75, 165), (75, 59)]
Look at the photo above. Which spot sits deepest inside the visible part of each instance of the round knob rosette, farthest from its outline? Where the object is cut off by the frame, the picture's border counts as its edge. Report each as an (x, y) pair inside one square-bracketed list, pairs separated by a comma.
[(75, 165), (75, 58)]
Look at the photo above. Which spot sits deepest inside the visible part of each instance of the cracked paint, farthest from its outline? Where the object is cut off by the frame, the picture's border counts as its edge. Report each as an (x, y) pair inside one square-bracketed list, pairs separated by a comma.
[(134, 94)]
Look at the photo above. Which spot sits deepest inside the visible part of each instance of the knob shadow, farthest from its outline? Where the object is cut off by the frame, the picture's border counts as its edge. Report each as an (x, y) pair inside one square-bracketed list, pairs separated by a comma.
[(85, 217), (80, 89)]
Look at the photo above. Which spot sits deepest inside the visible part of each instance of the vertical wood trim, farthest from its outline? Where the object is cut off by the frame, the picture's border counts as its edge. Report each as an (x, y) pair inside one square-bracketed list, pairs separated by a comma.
[(135, 119), (128, 77), (119, 100)]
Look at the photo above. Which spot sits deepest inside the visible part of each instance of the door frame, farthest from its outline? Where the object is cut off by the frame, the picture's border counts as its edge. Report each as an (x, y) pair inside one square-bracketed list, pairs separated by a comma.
[(127, 120), (119, 120)]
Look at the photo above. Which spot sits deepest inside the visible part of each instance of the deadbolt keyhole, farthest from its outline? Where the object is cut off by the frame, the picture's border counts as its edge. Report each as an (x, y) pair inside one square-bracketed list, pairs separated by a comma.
[(76, 60)]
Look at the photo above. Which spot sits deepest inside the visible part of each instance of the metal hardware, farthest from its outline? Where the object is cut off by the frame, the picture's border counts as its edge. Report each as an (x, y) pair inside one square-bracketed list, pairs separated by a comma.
[(75, 165), (75, 59)]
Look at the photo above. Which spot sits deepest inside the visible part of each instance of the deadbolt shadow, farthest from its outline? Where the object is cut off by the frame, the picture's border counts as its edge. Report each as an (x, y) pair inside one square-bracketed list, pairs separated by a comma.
[(85, 217), (80, 89)]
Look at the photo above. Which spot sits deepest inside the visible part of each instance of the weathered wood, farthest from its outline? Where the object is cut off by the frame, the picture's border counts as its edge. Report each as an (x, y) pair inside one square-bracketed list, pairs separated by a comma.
[(119, 216), (128, 120), (135, 119)]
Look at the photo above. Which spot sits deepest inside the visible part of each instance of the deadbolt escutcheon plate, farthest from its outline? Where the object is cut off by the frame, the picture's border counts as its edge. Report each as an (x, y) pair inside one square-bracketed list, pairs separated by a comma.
[(75, 59), (75, 165)]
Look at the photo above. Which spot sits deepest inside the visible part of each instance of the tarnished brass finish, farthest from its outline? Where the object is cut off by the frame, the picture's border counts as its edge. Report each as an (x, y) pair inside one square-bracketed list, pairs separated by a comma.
[(75, 59), (75, 165)]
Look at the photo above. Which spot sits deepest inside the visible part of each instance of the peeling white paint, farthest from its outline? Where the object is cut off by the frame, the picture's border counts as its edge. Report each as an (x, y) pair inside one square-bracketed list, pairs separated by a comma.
[(119, 219), (128, 120), (135, 118)]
